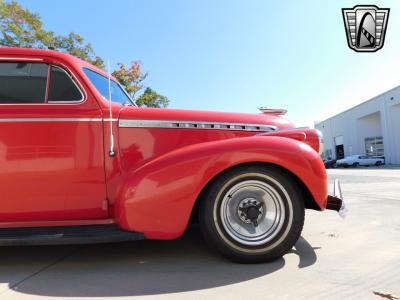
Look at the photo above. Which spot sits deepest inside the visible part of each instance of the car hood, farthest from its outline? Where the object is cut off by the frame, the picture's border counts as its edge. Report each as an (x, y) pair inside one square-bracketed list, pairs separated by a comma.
[(166, 114)]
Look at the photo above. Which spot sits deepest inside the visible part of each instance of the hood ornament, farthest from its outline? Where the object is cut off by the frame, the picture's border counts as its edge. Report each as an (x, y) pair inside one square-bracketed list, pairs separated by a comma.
[(272, 111)]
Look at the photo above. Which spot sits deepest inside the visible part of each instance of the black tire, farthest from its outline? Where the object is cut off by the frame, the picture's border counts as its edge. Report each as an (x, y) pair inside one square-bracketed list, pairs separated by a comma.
[(355, 165), (378, 163), (217, 236)]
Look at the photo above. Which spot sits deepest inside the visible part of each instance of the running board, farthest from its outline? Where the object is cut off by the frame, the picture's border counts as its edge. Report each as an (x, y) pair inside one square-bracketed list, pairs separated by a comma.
[(84, 234)]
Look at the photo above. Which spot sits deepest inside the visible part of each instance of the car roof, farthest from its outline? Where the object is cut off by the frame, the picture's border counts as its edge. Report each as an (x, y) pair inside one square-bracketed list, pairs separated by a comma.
[(50, 53)]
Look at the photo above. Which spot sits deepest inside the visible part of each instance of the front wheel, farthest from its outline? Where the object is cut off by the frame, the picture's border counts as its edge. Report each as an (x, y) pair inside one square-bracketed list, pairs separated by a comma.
[(252, 214)]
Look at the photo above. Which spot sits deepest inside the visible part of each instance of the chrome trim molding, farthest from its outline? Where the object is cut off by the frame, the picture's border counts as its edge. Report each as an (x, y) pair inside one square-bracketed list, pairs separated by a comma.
[(22, 58), (272, 111), (61, 66), (16, 120), (196, 125), (154, 123), (287, 129)]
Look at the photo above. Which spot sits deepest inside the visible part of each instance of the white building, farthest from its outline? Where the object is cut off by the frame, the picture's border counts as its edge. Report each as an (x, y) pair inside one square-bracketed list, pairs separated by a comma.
[(370, 128)]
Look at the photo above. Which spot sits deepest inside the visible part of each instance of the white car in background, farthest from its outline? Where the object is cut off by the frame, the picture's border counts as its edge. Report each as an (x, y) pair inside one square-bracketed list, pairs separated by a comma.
[(360, 160)]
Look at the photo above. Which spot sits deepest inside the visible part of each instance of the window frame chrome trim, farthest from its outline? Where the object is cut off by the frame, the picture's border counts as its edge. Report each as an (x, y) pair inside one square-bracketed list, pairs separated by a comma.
[(56, 64), (71, 77)]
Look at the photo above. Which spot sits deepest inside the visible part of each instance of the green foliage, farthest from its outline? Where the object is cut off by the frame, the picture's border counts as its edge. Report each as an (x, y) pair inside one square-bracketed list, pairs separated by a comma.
[(74, 44), (151, 98), (131, 77), (21, 28)]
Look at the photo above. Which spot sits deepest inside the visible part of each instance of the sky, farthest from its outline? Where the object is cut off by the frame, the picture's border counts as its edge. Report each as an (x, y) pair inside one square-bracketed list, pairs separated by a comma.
[(236, 56)]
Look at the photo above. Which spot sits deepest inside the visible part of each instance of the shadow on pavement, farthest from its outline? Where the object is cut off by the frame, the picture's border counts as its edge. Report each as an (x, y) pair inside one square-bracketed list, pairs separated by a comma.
[(130, 269)]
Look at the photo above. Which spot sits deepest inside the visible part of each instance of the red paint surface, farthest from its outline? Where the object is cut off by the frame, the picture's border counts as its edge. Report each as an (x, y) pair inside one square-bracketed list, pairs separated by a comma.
[(61, 173)]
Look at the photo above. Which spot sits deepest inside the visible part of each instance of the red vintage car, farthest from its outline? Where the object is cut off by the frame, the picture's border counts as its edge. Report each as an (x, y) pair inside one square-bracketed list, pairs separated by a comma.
[(76, 167)]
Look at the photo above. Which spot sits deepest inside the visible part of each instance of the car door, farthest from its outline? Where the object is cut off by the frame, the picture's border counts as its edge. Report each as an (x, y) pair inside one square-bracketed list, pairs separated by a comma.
[(51, 145), (364, 161), (372, 160), (367, 160)]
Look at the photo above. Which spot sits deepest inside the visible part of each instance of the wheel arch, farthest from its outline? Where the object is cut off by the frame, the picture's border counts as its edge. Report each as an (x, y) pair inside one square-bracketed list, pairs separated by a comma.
[(160, 197), (309, 201)]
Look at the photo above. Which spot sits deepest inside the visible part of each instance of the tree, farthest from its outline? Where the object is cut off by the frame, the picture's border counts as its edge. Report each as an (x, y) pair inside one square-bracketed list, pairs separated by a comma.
[(75, 45), (131, 78), (151, 98), (21, 28)]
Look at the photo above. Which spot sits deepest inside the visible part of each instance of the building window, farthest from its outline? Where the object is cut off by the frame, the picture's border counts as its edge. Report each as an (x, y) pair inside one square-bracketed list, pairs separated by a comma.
[(374, 146)]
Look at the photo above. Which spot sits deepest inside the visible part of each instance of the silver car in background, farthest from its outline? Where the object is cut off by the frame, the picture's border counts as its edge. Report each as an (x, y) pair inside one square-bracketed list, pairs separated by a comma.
[(360, 160)]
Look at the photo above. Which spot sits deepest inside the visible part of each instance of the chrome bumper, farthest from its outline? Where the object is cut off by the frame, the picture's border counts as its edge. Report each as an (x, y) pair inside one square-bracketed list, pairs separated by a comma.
[(335, 201)]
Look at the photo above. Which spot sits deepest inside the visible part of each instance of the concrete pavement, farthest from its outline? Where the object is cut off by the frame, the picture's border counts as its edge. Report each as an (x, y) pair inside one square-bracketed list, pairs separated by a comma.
[(334, 259)]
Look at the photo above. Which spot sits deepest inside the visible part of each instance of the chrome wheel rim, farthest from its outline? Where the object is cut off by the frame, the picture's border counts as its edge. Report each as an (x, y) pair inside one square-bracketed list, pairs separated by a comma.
[(252, 212)]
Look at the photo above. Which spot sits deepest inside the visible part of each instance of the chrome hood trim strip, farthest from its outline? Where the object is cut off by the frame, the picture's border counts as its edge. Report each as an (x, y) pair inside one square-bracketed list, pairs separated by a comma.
[(195, 125), (22, 120)]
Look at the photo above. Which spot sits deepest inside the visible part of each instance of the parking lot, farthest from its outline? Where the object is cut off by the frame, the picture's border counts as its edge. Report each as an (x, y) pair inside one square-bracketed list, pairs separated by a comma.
[(334, 259)]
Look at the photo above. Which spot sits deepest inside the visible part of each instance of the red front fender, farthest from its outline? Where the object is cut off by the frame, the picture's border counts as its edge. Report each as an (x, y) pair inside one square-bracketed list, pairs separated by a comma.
[(157, 199)]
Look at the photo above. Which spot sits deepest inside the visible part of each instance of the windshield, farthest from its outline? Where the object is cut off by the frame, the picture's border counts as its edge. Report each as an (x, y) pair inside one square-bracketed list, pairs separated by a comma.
[(118, 94)]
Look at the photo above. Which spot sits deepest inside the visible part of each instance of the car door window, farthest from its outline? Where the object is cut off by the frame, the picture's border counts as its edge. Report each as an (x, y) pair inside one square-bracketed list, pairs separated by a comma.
[(23, 82), (102, 85), (62, 88)]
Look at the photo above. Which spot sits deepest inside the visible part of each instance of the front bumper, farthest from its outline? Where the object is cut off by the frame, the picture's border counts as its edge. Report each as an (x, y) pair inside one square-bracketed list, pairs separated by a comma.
[(335, 201)]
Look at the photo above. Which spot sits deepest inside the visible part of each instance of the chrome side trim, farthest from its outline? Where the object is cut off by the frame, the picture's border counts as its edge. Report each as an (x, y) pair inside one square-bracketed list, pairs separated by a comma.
[(288, 129), (22, 58), (25, 120), (294, 129), (196, 125)]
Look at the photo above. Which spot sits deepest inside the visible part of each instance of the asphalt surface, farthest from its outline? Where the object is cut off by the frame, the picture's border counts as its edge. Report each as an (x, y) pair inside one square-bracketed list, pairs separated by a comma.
[(334, 259)]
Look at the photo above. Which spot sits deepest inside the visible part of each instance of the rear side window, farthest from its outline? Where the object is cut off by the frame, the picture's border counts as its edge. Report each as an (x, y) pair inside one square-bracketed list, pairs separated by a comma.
[(23, 82), (28, 82), (62, 87)]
